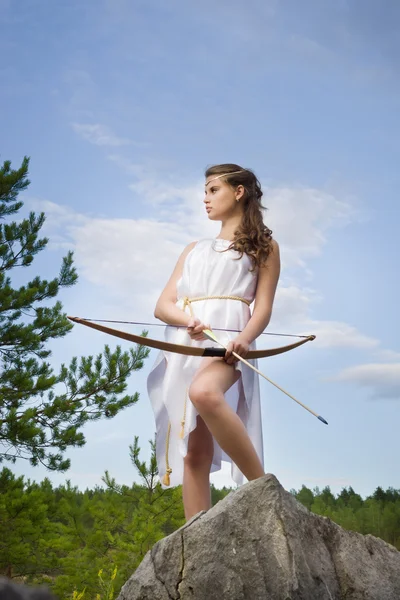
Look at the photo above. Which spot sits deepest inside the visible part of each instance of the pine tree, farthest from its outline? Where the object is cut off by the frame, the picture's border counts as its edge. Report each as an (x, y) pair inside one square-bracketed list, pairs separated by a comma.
[(25, 529), (305, 496), (39, 418)]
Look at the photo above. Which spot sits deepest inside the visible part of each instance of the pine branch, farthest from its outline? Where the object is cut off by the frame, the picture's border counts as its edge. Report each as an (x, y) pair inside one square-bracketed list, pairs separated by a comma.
[(36, 423)]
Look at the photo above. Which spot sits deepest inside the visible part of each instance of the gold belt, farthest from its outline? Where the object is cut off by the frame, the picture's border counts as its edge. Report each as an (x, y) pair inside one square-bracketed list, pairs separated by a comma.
[(188, 301)]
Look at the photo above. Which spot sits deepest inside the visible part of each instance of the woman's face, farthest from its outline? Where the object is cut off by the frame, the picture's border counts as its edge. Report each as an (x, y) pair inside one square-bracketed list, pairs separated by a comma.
[(221, 200)]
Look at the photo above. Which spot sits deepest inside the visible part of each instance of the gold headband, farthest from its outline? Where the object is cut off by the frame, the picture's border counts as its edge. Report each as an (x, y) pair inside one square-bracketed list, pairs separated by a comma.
[(225, 174)]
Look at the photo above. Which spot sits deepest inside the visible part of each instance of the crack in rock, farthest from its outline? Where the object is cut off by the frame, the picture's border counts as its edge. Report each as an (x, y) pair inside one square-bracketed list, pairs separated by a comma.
[(158, 577), (182, 566)]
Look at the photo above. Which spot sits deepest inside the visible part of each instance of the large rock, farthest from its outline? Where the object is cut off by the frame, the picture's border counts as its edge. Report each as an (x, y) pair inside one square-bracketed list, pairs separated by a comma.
[(259, 543)]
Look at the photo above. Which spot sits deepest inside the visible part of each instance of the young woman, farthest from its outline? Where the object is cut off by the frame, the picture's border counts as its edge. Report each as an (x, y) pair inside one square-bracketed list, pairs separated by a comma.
[(208, 409)]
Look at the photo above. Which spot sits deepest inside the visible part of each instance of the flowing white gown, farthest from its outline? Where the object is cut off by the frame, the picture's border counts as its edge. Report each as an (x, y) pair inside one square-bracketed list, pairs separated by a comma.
[(210, 269)]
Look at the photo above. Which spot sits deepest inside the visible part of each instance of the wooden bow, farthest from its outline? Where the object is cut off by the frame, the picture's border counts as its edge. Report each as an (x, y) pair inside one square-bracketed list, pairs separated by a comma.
[(196, 351), (187, 350)]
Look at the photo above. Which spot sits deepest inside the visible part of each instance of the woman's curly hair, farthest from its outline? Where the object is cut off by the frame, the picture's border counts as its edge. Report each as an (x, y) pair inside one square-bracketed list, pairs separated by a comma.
[(252, 237)]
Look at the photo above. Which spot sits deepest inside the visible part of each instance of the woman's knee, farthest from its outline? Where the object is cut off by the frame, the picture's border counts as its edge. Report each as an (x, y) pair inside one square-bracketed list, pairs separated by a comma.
[(199, 458), (200, 452), (205, 400)]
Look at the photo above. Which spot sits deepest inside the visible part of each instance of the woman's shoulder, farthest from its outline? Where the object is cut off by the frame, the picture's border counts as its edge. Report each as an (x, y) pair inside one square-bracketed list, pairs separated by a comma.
[(190, 246), (204, 243), (200, 242), (274, 245), (186, 251), (273, 256)]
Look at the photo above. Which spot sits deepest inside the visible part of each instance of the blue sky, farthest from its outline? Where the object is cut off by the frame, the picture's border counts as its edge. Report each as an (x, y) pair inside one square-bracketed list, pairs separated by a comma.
[(122, 105)]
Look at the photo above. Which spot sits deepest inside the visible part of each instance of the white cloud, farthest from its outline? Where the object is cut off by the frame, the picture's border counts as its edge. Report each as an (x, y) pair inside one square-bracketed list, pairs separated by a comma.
[(336, 334), (388, 356), (291, 313), (383, 380), (292, 305), (127, 165), (98, 134), (302, 216), (130, 259)]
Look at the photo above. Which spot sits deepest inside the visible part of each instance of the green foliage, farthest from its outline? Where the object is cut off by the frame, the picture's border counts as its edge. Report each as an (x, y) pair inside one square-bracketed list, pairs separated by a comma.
[(378, 514), (306, 497), (84, 542), (42, 413), (25, 525)]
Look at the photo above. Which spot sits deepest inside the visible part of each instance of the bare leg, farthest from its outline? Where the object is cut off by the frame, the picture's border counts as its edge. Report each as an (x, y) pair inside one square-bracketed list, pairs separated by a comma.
[(196, 471), (207, 394)]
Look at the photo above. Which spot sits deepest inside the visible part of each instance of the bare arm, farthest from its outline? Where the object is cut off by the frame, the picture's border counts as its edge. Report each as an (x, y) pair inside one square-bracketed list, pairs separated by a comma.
[(266, 287), (166, 309), (268, 277)]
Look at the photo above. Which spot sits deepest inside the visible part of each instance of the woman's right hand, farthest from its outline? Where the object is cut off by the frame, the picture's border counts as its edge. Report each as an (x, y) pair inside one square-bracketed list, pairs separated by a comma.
[(195, 329)]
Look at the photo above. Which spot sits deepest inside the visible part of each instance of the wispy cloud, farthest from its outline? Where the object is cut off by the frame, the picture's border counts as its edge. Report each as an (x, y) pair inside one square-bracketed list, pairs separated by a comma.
[(388, 356), (81, 93), (98, 134), (302, 216), (382, 380), (293, 312)]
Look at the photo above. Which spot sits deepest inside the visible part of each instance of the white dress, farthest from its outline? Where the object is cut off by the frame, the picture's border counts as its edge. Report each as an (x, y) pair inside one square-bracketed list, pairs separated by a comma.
[(208, 271)]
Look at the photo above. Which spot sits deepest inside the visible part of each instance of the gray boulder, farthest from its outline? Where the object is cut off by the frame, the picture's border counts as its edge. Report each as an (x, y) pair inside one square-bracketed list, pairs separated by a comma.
[(259, 543)]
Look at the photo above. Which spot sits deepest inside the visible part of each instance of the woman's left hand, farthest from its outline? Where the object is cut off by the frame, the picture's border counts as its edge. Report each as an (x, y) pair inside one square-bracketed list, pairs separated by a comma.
[(238, 345)]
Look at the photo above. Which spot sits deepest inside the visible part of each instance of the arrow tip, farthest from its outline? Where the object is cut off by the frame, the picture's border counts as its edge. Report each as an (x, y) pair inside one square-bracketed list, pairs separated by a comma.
[(323, 420)]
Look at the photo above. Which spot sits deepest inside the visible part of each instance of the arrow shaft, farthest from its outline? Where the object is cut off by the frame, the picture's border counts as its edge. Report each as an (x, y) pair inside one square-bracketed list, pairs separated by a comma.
[(211, 336), (246, 362)]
